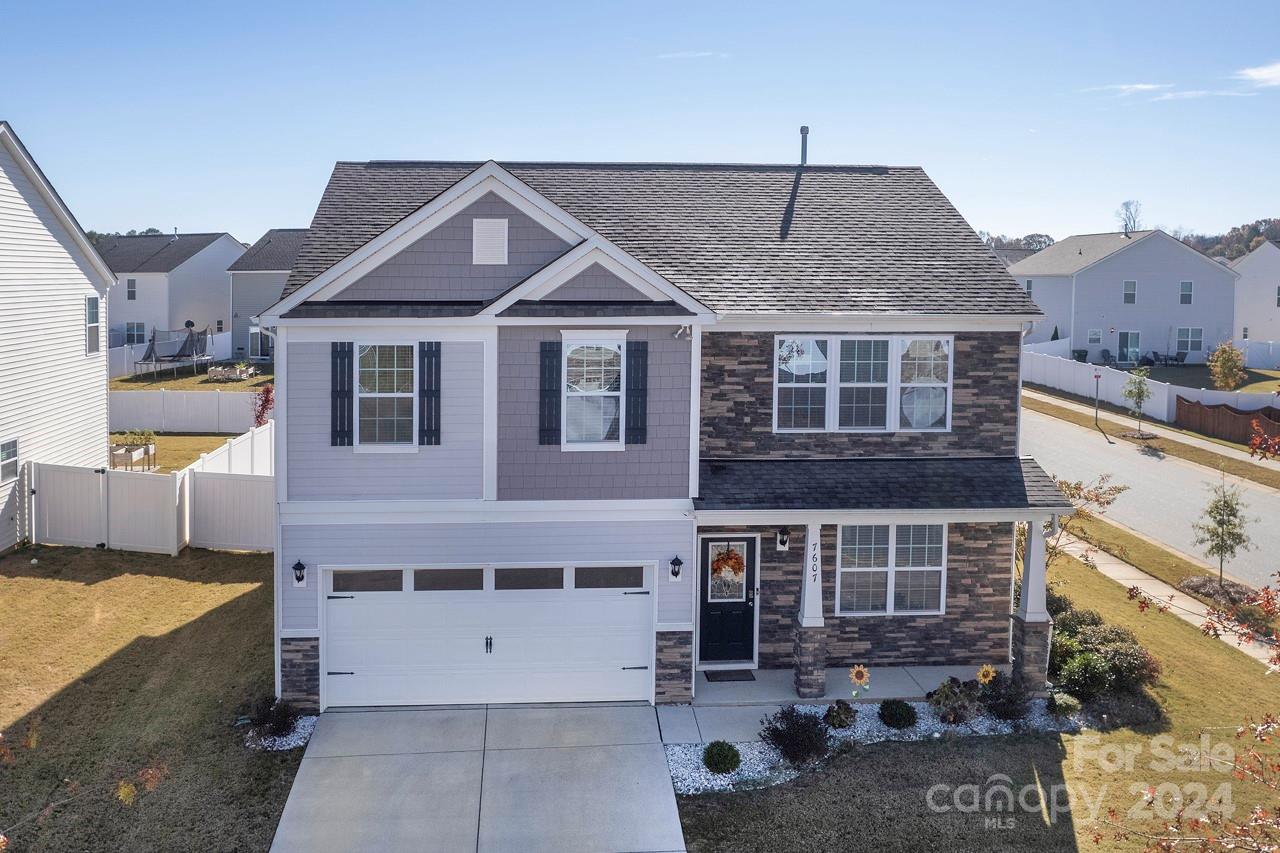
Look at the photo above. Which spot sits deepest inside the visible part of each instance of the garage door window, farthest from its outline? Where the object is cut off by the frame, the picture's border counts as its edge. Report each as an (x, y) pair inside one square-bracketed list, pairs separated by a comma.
[(608, 577), (447, 580), (383, 580), (532, 578)]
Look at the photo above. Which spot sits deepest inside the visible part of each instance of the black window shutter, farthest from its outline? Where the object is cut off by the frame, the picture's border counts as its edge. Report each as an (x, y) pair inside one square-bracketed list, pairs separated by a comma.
[(341, 398), (637, 392), (428, 392), (549, 393)]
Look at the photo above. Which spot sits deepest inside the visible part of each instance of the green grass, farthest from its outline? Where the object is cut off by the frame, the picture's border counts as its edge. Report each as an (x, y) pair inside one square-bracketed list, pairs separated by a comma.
[(175, 451), (185, 380), (1160, 446), (122, 661), (1197, 376), (874, 797), (1156, 561)]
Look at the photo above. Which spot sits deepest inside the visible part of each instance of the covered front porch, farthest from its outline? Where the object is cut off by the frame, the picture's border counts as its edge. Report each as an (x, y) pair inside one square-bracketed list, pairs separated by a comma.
[(777, 686)]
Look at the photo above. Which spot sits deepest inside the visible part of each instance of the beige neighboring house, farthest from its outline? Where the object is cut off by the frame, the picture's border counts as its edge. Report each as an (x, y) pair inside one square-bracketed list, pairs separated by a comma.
[(53, 348), (1258, 294)]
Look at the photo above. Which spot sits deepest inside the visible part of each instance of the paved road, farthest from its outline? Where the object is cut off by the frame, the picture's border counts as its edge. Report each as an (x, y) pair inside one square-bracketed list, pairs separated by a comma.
[(1165, 496)]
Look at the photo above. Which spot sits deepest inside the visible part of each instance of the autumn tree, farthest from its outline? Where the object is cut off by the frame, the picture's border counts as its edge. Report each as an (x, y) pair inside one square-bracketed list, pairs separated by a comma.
[(1226, 367), (1223, 529), (1137, 391)]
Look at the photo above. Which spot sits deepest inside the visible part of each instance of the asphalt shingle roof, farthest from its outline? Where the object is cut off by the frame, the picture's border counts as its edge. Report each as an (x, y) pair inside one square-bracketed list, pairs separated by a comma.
[(1069, 256), (152, 252), (275, 250), (853, 484), (741, 238)]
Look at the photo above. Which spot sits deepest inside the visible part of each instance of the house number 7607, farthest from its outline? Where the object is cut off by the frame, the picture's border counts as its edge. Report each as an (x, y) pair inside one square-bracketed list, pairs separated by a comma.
[(815, 562)]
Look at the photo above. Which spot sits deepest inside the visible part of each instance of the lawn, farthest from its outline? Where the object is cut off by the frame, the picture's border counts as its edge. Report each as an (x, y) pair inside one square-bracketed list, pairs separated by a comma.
[(1197, 376), (874, 797), (175, 451), (119, 662), (186, 381)]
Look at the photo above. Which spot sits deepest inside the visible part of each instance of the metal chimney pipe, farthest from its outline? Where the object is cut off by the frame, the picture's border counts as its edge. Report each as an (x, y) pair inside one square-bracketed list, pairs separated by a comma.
[(804, 144)]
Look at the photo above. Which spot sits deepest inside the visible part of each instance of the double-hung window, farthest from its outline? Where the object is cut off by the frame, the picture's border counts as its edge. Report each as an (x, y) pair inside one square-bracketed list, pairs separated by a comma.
[(135, 333), (891, 568), (1278, 296), (131, 289), (593, 392), (1130, 293), (92, 326), (1095, 336), (1029, 284), (1185, 289), (894, 382), (8, 461), (385, 394), (1190, 339)]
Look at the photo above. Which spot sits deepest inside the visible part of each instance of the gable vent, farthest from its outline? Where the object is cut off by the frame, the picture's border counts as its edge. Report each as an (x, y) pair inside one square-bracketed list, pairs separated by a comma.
[(488, 241)]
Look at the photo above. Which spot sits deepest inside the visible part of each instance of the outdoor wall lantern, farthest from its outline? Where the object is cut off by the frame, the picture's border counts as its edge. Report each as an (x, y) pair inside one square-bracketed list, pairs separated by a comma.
[(676, 564), (784, 538), (299, 573)]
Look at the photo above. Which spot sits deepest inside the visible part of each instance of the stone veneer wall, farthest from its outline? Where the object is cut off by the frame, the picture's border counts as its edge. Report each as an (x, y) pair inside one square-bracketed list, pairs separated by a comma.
[(1031, 642), (737, 404), (674, 678), (974, 630), (300, 672)]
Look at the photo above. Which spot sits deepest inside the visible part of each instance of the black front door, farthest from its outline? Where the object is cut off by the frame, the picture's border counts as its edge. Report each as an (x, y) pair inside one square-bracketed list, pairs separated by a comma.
[(728, 600)]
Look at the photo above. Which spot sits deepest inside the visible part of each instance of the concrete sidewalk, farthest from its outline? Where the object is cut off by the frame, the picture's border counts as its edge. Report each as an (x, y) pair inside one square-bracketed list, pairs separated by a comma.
[(1181, 605)]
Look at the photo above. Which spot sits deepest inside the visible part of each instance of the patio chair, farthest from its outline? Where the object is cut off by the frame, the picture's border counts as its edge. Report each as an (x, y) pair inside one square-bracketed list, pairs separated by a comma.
[(1107, 357), (1180, 359), (1159, 358)]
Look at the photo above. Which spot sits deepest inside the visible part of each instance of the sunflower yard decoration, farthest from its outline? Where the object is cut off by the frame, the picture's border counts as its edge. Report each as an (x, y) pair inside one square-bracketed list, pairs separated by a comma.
[(986, 673), (860, 676)]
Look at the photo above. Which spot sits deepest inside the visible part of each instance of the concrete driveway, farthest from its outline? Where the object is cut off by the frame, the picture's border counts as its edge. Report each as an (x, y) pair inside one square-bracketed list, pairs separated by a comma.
[(503, 778)]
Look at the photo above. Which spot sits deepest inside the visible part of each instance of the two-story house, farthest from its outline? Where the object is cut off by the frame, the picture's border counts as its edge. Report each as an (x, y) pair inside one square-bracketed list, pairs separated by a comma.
[(583, 431), (1258, 294), (53, 347), (1131, 295), (165, 280), (257, 279)]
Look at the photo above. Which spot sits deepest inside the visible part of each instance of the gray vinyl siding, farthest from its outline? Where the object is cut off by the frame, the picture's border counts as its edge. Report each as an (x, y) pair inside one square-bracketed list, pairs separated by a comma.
[(53, 396), (452, 470), (199, 289), (595, 284), (251, 294), (530, 471), (544, 542), (438, 266)]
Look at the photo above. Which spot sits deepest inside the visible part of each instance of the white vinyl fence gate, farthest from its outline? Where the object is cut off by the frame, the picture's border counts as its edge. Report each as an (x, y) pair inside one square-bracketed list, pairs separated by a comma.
[(225, 499)]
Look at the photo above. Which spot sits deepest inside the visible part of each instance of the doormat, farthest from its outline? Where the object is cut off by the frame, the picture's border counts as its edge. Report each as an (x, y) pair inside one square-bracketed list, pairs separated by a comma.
[(730, 675)]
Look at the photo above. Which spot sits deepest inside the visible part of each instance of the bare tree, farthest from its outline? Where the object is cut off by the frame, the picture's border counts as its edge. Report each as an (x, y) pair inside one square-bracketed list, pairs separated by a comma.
[(1129, 215)]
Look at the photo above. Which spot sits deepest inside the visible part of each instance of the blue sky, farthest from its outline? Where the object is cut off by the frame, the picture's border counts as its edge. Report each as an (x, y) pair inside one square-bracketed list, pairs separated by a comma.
[(230, 117)]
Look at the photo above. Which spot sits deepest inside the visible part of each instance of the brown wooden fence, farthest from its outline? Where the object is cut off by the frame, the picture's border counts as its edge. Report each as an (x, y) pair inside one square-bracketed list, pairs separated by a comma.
[(1226, 422)]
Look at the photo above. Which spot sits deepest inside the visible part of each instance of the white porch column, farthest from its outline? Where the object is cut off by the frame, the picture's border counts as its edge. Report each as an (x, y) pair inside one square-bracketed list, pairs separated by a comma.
[(1031, 607), (811, 588)]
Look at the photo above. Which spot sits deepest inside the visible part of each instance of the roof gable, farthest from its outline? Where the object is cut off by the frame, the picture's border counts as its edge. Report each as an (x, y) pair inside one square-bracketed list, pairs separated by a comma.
[(275, 251), (1069, 256), (161, 253)]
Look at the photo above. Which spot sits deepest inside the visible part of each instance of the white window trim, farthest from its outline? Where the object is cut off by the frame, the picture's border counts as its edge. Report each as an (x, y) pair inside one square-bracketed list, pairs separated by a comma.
[(131, 289), (476, 257), (1135, 332), (1090, 336), (1124, 292), (128, 335), (1191, 292), (1177, 338), (93, 331), (17, 447), (1029, 283), (412, 446), (894, 402), (892, 570), (605, 337)]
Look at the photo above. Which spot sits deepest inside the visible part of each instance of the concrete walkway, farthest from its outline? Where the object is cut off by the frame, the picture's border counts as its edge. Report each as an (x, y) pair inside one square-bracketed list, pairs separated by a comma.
[(1181, 605), (562, 778)]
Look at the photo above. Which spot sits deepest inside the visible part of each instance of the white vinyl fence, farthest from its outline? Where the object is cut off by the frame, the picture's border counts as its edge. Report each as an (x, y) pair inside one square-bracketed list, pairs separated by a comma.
[(1060, 347), (225, 499), (1076, 377), (162, 410), (1264, 355)]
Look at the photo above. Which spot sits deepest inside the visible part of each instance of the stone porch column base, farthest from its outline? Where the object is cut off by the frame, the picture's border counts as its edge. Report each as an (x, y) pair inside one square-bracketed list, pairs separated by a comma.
[(810, 651), (1031, 653), (673, 682)]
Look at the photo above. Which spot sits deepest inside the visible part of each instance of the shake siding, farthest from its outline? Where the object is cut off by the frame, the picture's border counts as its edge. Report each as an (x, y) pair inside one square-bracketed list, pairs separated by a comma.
[(554, 543), (448, 471), (438, 266), (53, 397), (595, 284)]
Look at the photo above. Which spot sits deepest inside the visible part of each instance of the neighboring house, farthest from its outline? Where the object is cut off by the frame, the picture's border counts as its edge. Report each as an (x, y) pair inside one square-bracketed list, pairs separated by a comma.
[(579, 432), (53, 347), (1130, 295), (164, 280), (1009, 257), (257, 280), (1258, 294)]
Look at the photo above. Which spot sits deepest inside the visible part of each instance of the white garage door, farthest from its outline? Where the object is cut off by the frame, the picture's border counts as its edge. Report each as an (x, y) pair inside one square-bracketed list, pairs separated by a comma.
[(493, 634)]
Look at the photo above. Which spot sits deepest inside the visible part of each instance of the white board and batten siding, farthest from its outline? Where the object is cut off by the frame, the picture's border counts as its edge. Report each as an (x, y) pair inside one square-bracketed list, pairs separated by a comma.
[(53, 391)]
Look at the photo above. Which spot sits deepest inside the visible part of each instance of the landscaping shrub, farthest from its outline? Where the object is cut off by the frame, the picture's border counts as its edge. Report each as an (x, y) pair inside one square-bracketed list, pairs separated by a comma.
[(1126, 709), (1056, 603), (1131, 666), (1073, 620), (897, 714), (272, 717), (1062, 648), (1063, 704), (840, 714), (1093, 637), (800, 737), (1004, 698), (955, 701), (1085, 676), (721, 757)]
